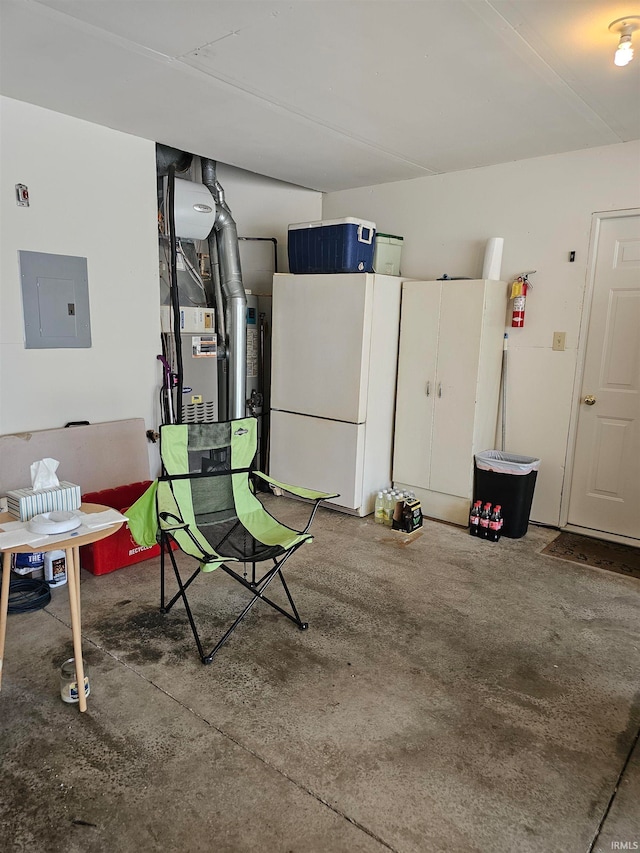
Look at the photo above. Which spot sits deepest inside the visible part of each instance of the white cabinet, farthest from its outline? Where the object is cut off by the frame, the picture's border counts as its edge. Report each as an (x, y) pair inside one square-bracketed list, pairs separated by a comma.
[(451, 342), (333, 378)]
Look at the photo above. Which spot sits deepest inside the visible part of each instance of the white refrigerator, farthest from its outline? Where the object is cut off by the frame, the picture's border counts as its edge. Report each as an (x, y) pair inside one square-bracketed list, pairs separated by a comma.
[(334, 363)]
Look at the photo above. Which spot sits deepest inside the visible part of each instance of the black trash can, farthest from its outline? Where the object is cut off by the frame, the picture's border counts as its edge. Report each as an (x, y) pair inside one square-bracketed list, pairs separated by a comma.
[(508, 480)]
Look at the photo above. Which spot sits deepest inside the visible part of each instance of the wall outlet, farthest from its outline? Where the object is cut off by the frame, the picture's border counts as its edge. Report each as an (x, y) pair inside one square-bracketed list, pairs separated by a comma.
[(558, 341)]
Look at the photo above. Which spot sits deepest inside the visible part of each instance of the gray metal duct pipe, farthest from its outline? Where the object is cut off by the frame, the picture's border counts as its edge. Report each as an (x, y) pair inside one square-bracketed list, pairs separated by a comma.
[(167, 157), (233, 291), (209, 179)]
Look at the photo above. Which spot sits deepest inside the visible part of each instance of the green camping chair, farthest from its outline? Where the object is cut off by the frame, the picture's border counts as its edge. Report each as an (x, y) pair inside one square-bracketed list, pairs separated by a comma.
[(206, 502)]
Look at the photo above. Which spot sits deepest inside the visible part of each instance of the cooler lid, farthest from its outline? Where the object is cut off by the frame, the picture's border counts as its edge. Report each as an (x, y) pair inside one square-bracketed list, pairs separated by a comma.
[(321, 223)]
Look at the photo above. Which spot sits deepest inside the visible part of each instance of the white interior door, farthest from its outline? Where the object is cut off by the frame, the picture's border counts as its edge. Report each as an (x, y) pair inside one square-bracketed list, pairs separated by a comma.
[(461, 310), (605, 488)]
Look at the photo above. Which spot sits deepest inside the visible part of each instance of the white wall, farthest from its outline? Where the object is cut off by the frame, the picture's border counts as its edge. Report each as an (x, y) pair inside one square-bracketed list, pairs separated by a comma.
[(93, 194), (543, 209), (264, 207)]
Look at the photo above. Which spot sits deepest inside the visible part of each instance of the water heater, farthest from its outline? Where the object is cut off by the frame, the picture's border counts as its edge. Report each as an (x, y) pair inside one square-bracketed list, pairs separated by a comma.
[(253, 354)]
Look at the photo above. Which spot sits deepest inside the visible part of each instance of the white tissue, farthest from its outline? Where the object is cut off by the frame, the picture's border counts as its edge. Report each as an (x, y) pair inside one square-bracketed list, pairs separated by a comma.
[(43, 474)]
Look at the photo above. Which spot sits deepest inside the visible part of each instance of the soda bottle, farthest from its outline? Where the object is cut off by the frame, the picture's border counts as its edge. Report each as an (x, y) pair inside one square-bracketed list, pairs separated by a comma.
[(485, 518), (474, 518), (379, 509), (495, 524)]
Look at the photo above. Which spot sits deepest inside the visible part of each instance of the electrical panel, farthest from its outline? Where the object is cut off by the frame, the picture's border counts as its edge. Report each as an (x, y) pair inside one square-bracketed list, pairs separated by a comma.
[(55, 301)]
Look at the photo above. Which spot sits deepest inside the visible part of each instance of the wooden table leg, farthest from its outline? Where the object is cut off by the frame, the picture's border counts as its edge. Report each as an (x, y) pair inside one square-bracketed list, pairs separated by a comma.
[(76, 563), (4, 604), (76, 629)]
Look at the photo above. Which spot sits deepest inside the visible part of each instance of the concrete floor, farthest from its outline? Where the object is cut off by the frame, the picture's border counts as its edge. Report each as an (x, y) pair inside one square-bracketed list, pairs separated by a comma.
[(450, 695)]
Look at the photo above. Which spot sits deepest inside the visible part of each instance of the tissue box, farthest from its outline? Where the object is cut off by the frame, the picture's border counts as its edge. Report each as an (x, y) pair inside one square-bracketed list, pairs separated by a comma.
[(25, 503)]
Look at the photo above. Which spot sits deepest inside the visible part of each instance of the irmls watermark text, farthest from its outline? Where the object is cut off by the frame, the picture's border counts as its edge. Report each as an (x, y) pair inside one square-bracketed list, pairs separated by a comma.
[(625, 845)]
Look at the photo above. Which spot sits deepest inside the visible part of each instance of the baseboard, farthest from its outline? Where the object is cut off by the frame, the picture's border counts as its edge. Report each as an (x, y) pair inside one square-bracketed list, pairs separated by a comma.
[(602, 534)]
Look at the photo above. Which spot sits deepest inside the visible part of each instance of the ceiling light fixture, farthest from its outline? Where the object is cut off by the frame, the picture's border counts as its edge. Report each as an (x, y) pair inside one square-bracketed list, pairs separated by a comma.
[(624, 27)]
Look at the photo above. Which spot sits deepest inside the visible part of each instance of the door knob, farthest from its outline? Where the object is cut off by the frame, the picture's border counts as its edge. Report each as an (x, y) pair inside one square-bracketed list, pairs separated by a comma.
[(590, 400)]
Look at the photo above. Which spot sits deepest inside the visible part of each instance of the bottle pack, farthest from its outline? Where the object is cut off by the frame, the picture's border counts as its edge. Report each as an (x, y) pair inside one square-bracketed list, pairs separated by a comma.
[(486, 522), (398, 510)]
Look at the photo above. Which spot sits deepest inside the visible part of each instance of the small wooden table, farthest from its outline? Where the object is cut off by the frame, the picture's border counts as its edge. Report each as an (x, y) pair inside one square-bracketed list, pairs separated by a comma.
[(71, 547)]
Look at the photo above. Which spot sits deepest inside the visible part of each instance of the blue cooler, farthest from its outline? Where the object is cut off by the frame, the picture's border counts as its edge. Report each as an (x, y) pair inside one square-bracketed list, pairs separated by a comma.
[(331, 246)]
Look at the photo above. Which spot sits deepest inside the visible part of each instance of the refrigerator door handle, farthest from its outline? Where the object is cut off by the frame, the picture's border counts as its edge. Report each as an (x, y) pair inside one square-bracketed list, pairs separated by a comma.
[(439, 389), (427, 389)]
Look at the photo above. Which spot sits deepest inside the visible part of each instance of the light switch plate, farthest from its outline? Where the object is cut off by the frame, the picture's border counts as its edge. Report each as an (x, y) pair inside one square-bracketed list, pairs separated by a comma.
[(558, 341)]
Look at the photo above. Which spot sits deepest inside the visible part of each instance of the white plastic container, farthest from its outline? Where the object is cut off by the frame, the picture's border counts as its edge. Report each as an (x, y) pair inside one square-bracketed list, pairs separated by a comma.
[(55, 568), (387, 254)]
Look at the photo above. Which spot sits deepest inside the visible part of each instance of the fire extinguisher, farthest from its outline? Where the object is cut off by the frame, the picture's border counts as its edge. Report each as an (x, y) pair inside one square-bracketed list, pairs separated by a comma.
[(519, 290)]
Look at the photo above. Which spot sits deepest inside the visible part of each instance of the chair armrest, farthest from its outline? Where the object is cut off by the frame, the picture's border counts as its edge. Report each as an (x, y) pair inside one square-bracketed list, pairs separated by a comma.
[(310, 494), (169, 521)]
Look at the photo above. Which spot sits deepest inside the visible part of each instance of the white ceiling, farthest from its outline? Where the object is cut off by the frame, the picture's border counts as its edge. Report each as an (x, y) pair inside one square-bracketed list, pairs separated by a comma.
[(331, 94)]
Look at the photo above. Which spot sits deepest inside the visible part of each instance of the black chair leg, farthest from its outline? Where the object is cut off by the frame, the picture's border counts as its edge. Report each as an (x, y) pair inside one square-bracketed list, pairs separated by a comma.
[(182, 593), (256, 587), (258, 594), (209, 658)]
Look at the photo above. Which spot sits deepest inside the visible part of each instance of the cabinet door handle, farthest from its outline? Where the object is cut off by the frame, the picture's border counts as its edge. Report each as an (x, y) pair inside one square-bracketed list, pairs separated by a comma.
[(439, 389), (427, 388)]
